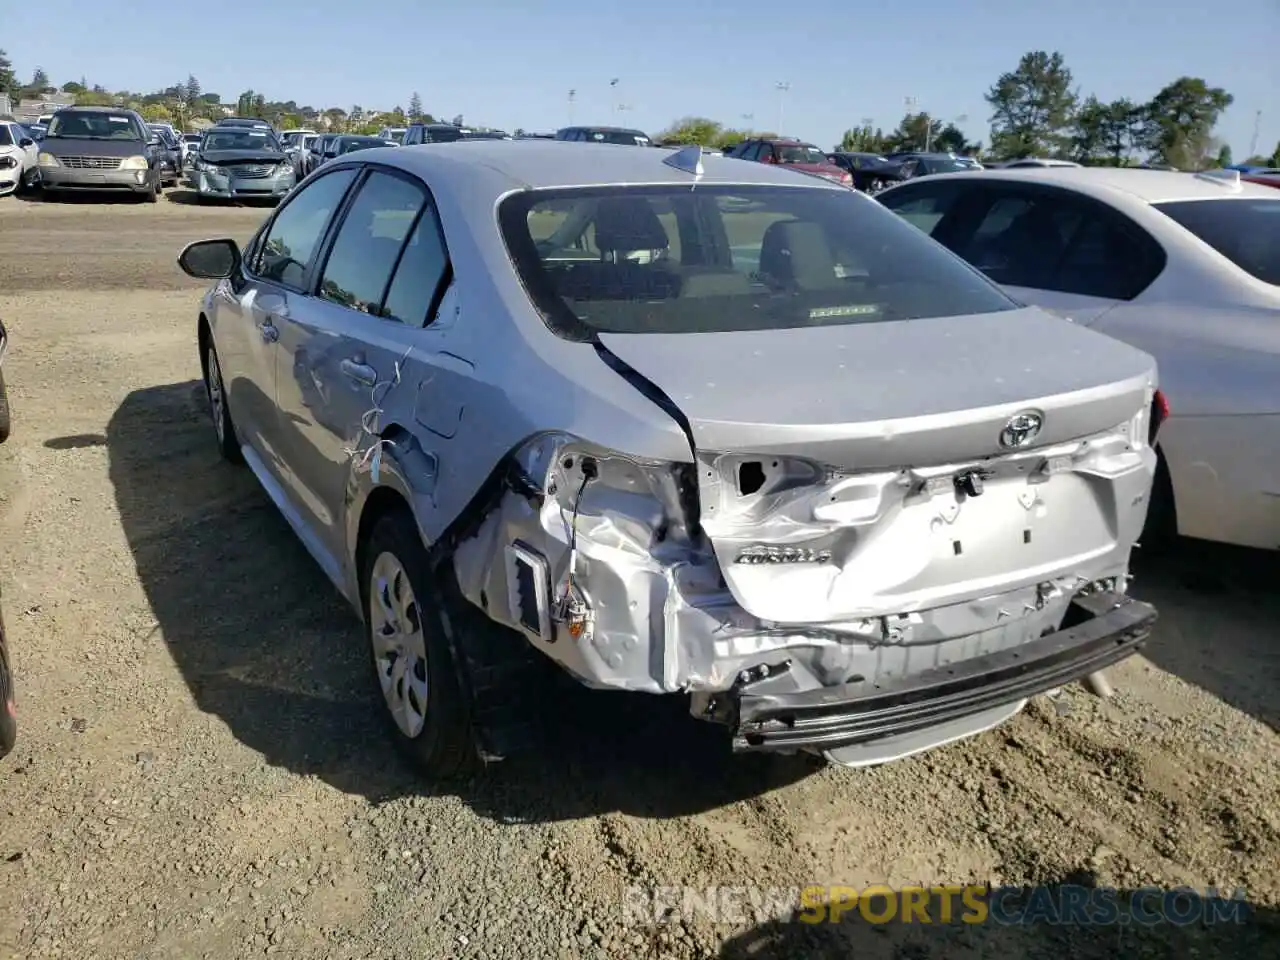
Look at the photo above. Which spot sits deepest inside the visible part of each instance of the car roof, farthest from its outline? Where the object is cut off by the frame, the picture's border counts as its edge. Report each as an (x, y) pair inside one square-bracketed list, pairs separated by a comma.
[(548, 164), (90, 108), (1105, 183)]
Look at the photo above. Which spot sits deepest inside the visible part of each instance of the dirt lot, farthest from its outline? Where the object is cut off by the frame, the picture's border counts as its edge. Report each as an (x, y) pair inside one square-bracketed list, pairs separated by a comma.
[(201, 773)]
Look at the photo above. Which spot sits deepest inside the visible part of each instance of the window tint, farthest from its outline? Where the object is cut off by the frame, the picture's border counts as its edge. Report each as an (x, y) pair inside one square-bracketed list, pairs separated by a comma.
[(368, 243), (921, 206), (419, 273), (1245, 230), (6, 138), (721, 258), (1046, 241), (292, 239)]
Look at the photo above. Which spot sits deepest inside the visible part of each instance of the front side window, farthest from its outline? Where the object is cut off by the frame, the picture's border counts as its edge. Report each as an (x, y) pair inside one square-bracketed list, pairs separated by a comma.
[(292, 239), (725, 258), (6, 136), (367, 247), (1245, 230)]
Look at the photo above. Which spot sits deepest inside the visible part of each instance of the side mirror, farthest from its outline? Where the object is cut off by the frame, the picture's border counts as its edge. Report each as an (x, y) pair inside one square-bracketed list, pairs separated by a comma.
[(210, 259), (26, 142)]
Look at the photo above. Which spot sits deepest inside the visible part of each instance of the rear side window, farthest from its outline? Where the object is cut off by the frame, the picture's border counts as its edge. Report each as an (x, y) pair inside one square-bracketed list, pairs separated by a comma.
[(1245, 230), (922, 207), (725, 258), (367, 247), (1038, 239)]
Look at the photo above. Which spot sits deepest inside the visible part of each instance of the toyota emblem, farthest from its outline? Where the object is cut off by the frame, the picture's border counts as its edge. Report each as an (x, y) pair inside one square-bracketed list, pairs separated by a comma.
[(1021, 429)]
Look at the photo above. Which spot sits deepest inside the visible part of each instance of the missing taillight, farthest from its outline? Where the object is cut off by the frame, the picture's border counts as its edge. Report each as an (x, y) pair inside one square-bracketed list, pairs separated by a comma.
[(750, 477), (1159, 414)]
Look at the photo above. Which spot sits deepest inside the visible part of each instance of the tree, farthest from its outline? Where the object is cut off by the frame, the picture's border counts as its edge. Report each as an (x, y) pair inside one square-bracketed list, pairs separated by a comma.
[(156, 113), (951, 139), (193, 89), (1224, 155), (73, 87), (415, 107), (689, 130), (862, 140), (916, 131), (95, 98), (1091, 131), (1032, 107), (457, 121), (1180, 119), (8, 82)]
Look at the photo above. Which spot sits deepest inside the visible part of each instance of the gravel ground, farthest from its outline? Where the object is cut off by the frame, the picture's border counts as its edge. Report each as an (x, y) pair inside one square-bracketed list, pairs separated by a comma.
[(201, 773)]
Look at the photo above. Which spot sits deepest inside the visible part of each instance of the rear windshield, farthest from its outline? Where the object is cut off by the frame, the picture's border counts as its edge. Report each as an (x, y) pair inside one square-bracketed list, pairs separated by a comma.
[(94, 126), (1245, 230), (725, 258), (630, 138), (800, 153)]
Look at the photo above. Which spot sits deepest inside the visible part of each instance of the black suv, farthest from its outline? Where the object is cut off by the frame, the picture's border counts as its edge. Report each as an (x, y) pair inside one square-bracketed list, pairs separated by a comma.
[(622, 135)]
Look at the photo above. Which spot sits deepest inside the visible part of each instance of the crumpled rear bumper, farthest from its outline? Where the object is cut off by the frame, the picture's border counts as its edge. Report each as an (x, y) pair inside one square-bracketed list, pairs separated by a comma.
[(1101, 629)]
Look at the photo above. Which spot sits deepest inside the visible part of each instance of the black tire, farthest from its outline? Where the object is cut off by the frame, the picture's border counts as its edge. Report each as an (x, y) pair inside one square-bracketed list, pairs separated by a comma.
[(152, 195), (6, 425), (443, 747), (1161, 529), (219, 411), (8, 716)]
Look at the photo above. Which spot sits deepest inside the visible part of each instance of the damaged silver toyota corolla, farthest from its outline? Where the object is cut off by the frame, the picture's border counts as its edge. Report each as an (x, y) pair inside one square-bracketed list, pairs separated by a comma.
[(683, 425)]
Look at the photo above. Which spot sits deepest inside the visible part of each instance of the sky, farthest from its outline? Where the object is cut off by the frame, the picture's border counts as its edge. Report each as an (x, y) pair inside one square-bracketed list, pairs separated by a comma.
[(512, 65)]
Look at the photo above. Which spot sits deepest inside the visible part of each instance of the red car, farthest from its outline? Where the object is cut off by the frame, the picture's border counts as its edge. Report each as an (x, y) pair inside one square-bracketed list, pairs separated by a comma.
[(1268, 178), (792, 153)]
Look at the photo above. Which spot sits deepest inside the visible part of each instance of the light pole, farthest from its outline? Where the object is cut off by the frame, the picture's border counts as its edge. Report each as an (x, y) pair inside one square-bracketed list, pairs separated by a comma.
[(782, 86), (572, 95), (1253, 141), (613, 95)]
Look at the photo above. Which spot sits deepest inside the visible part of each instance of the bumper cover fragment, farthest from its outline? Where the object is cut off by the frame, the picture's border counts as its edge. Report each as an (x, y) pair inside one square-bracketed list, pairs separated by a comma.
[(1116, 627)]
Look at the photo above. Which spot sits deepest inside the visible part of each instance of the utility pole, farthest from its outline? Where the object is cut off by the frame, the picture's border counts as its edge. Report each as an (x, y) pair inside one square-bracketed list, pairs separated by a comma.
[(782, 87), (613, 96), (1257, 126), (572, 95)]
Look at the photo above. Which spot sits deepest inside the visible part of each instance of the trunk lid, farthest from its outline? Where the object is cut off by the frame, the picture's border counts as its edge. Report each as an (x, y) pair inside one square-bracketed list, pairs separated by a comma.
[(865, 469)]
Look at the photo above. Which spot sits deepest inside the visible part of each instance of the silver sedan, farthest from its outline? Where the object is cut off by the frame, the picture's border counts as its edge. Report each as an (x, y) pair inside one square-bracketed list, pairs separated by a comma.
[(680, 425)]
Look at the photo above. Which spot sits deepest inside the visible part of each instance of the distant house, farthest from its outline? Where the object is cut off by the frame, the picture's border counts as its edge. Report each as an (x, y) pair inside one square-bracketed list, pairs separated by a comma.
[(31, 109)]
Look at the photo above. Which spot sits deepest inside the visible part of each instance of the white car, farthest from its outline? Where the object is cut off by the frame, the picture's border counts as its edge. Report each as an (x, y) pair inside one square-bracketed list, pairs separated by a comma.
[(1184, 266), (18, 153)]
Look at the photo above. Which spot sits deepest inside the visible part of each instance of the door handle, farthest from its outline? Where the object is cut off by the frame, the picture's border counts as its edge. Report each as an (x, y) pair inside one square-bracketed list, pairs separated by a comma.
[(359, 372), (270, 334)]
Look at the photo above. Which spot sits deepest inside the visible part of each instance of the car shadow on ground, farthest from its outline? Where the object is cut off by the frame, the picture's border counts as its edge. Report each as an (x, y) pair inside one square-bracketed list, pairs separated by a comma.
[(70, 197), (1026, 925), (1219, 607), (189, 198), (264, 642)]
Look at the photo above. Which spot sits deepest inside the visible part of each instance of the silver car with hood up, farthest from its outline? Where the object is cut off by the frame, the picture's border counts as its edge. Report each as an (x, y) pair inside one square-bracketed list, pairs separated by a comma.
[(684, 426)]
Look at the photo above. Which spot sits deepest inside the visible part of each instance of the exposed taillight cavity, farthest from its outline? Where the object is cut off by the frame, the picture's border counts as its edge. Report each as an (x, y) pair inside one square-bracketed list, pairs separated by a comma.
[(1159, 414)]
